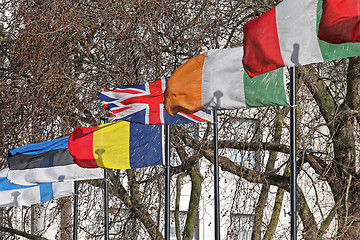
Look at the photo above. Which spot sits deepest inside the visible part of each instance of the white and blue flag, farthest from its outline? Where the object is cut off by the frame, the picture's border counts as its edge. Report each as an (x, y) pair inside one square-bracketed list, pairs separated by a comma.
[(18, 195)]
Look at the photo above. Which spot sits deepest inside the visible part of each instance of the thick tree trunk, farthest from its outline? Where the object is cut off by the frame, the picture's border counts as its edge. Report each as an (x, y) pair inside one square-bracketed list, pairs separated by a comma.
[(36, 219), (344, 151), (65, 218), (177, 205), (340, 174), (192, 215), (275, 215)]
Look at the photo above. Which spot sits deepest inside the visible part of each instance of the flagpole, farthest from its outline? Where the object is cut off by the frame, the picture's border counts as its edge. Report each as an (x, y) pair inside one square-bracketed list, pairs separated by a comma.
[(106, 204), (216, 177), (76, 192), (293, 173), (106, 197), (167, 182)]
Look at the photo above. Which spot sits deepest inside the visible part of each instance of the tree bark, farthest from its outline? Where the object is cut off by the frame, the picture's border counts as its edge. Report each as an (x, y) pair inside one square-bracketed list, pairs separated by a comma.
[(65, 218), (341, 172), (192, 215), (177, 204)]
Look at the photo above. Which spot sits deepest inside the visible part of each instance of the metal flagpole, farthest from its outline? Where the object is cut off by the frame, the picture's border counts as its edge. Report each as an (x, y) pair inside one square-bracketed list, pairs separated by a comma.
[(167, 182), (106, 197), (76, 204), (216, 177), (106, 204), (293, 174)]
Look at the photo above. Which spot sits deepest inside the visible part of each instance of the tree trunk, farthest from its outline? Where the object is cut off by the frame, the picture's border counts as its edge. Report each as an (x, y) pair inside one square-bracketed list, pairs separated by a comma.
[(177, 205), (65, 218), (192, 215)]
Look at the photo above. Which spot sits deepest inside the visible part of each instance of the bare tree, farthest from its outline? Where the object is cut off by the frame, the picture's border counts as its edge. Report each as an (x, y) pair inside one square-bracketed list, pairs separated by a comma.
[(56, 56)]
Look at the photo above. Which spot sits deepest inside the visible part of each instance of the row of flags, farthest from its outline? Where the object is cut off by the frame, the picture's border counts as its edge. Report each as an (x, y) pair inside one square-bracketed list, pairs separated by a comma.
[(243, 77), (37, 171)]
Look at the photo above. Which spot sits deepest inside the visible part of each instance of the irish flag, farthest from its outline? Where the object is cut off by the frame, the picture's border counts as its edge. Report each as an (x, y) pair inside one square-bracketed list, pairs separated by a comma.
[(287, 35), (340, 21), (216, 80), (117, 145)]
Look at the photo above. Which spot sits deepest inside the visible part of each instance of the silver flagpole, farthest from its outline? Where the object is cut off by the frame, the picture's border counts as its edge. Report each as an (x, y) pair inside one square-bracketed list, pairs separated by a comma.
[(106, 205), (106, 197), (293, 173), (76, 204), (167, 182), (216, 177)]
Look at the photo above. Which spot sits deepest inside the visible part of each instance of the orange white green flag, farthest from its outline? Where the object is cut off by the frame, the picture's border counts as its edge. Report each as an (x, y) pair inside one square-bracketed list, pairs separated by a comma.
[(216, 80)]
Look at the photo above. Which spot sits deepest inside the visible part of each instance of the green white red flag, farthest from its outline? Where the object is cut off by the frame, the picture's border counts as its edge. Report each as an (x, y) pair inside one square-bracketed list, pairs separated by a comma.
[(287, 35), (340, 21)]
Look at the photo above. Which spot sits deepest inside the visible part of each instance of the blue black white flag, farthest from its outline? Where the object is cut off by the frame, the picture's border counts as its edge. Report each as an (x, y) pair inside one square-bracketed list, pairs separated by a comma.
[(47, 162)]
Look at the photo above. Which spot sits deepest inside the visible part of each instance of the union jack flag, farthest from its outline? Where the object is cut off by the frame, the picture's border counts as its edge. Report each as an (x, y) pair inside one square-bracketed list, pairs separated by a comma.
[(145, 104)]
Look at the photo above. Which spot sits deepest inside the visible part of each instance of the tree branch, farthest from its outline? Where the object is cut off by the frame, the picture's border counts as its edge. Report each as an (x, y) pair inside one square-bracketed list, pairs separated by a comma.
[(320, 92), (196, 180), (265, 188), (139, 210), (353, 84), (21, 233)]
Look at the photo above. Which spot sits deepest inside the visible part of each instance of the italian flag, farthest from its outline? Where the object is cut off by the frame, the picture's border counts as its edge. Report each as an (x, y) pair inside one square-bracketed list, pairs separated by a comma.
[(216, 80), (340, 21), (287, 35)]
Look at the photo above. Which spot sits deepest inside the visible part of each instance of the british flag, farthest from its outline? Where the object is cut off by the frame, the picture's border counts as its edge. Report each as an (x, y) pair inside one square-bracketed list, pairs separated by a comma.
[(144, 104)]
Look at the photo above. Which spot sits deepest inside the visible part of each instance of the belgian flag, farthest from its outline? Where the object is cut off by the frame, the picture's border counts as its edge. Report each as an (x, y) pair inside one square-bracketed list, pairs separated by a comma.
[(117, 145)]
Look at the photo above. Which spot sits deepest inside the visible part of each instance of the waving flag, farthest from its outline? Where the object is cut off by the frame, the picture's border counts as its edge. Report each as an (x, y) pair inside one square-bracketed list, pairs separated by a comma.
[(217, 80), (117, 145), (46, 162), (287, 36), (340, 21), (18, 195), (144, 104)]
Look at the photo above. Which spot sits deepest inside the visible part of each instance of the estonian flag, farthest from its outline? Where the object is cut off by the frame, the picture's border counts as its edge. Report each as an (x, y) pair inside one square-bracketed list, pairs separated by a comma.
[(46, 162)]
